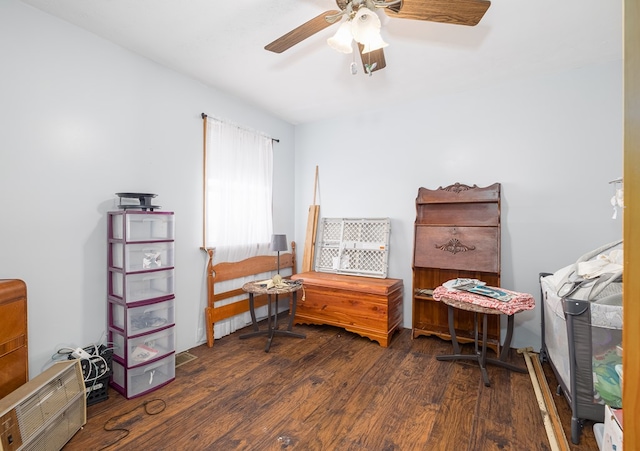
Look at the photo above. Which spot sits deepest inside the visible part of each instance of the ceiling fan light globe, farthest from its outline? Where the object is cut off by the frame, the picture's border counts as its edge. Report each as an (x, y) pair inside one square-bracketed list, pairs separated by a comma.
[(366, 26), (341, 41), (376, 43)]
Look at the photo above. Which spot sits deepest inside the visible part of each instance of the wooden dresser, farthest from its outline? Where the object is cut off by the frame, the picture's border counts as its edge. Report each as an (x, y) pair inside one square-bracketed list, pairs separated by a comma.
[(457, 234), (367, 306), (14, 361)]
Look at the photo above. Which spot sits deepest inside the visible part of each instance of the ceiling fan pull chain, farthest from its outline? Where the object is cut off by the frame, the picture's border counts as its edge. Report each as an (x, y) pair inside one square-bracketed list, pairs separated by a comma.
[(370, 67), (354, 66)]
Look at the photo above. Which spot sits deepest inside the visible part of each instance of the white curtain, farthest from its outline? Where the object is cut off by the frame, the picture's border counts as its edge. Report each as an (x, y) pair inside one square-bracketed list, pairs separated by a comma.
[(239, 187), (238, 201)]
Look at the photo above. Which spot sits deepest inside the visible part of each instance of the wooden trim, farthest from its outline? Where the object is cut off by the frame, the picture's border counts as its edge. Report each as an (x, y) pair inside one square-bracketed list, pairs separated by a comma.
[(236, 308), (549, 402), (250, 266), (204, 180), (12, 345), (631, 224)]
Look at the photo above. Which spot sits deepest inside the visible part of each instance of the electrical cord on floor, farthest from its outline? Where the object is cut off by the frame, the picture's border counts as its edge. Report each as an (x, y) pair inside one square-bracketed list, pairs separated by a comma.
[(158, 406)]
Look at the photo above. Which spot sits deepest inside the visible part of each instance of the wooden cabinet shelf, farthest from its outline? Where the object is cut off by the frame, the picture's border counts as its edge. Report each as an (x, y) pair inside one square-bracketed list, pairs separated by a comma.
[(423, 298), (457, 235)]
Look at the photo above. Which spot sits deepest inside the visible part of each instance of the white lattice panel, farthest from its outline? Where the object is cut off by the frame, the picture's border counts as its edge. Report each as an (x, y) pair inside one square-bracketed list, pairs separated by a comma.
[(353, 246)]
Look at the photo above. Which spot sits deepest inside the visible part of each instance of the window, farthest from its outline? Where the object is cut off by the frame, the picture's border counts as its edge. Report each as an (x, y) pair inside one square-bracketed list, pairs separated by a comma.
[(237, 220), (237, 191)]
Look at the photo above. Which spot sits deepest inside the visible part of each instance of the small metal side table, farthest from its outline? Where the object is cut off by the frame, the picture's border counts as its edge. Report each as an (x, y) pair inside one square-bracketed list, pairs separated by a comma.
[(256, 288), (479, 356)]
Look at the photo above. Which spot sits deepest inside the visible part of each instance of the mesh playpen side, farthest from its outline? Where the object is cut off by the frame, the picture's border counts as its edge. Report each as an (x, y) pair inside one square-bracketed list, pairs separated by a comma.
[(581, 341)]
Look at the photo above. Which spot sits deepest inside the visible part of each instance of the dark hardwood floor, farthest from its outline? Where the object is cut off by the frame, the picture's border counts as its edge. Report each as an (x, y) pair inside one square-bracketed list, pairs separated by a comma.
[(333, 390)]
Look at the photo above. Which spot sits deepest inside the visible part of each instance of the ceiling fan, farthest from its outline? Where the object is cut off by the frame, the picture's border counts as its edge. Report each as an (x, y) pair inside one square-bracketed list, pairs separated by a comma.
[(360, 15)]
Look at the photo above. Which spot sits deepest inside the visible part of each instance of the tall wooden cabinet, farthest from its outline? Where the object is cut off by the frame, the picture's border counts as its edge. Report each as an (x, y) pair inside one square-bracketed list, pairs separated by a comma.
[(14, 357), (457, 234)]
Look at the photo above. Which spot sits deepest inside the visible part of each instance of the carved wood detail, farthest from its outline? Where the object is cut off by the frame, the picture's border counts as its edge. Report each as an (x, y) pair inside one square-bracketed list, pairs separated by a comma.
[(458, 188), (454, 246)]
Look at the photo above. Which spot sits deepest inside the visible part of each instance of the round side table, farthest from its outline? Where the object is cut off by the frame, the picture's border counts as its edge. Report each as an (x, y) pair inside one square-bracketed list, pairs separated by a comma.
[(256, 288)]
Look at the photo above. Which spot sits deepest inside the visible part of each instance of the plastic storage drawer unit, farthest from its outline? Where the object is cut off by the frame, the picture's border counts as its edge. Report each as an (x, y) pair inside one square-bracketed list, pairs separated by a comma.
[(141, 299), (141, 256), (144, 348), (141, 286), (140, 380), (146, 318), (139, 226)]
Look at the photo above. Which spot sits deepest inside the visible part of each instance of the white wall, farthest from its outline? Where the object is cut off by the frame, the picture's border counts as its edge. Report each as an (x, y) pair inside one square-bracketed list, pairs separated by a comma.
[(553, 143), (82, 119)]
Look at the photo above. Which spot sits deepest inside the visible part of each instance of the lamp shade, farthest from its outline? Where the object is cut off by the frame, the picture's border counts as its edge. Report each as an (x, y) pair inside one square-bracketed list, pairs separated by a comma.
[(375, 43), (278, 243), (341, 41), (366, 30)]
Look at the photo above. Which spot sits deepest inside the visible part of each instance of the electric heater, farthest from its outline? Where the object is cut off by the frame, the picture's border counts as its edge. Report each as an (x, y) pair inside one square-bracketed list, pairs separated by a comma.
[(46, 412)]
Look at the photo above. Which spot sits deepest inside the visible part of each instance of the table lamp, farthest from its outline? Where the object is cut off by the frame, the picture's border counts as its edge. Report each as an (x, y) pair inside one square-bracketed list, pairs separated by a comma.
[(278, 244)]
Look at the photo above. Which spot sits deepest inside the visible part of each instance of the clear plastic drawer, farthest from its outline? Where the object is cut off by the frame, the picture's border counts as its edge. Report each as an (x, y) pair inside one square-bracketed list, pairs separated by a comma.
[(141, 256), (138, 381), (142, 226), (145, 348), (141, 286), (143, 319)]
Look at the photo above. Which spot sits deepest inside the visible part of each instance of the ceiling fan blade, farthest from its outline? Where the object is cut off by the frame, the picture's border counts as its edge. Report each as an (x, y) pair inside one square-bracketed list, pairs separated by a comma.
[(301, 33), (460, 12), (374, 59)]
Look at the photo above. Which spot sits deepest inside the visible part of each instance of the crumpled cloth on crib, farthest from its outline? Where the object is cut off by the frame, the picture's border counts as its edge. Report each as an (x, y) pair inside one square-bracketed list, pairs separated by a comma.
[(519, 302), (602, 264)]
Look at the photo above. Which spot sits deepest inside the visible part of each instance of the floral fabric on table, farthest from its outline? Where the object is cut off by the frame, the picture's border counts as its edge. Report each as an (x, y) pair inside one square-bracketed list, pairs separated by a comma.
[(519, 302)]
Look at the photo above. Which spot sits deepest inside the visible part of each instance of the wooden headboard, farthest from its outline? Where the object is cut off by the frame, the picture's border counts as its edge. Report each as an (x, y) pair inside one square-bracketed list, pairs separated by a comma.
[(224, 271)]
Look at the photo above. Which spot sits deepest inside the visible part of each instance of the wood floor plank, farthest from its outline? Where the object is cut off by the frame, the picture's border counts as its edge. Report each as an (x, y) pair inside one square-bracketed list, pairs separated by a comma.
[(408, 389), (345, 393), (333, 390), (376, 388), (490, 435), (458, 409), (260, 387), (287, 392), (495, 422), (532, 434)]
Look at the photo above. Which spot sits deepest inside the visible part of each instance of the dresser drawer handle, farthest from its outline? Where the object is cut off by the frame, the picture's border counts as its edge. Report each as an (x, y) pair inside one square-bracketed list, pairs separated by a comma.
[(454, 246)]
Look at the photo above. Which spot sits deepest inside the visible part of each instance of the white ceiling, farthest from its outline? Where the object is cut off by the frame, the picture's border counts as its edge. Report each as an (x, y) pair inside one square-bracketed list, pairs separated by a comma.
[(221, 43)]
